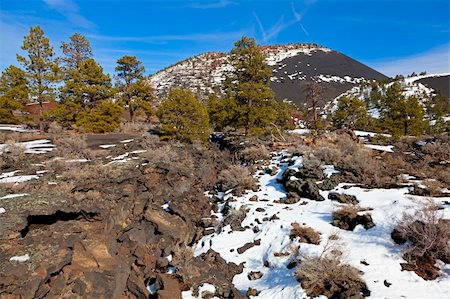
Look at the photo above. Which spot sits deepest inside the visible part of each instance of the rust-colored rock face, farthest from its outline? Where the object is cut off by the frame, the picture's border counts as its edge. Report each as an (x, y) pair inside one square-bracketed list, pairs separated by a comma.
[(115, 245)]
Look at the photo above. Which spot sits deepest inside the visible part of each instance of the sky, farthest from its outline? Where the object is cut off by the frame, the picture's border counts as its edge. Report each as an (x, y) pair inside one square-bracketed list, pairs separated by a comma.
[(392, 36)]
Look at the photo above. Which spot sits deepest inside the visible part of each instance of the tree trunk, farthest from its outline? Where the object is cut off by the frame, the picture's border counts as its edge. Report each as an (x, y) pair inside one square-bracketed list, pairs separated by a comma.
[(41, 117), (132, 116)]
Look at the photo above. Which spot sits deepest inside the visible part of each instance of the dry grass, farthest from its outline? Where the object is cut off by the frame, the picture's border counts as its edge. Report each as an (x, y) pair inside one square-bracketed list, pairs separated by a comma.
[(255, 153), (13, 157), (72, 146), (429, 235), (237, 178), (304, 233), (134, 127), (329, 276)]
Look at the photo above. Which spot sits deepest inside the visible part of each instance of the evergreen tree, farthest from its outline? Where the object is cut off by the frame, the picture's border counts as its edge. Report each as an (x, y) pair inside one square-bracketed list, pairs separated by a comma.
[(40, 66), (438, 106), (95, 85), (400, 115), (249, 86), (351, 113), (77, 51), (183, 117), (13, 93), (104, 117), (135, 93), (222, 112), (139, 96)]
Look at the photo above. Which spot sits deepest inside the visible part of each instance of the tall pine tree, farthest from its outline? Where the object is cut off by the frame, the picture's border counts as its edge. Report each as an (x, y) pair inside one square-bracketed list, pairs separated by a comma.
[(41, 67), (136, 93), (249, 86)]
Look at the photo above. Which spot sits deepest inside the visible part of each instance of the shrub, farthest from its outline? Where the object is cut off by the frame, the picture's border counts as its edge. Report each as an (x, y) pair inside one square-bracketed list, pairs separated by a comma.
[(238, 178), (429, 234), (348, 217), (14, 156), (327, 275), (305, 234), (183, 117), (73, 146), (255, 153), (134, 127), (105, 117)]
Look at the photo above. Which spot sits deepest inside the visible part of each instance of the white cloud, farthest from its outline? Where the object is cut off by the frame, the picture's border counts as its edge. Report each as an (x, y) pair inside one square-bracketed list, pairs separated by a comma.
[(71, 11), (211, 4), (436, 60), (195, 37)]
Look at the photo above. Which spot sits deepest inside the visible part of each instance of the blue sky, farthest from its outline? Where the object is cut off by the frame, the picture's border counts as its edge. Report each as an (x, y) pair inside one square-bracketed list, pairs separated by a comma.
[(393, 36)]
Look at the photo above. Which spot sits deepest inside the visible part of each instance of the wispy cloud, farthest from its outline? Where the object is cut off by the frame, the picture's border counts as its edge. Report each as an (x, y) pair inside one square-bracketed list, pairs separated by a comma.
[(71, 11), (433, 61), (211, 4), (196, 37), (274, 30), (299, 16), (282, 24)]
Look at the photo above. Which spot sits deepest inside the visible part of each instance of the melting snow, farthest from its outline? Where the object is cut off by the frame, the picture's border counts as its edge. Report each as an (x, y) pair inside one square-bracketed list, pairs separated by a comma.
[(373, 246), (14, 195), (382, 148), (20, 258)]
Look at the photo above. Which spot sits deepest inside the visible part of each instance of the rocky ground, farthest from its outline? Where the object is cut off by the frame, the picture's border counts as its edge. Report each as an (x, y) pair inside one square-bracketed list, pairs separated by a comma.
[(139, 218)]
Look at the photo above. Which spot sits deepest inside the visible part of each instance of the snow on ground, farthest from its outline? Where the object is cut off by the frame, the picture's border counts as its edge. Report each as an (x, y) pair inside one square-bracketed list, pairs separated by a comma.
[(300, 131), (369, 134), (13, 128), (106, 146), (40, 146), (20, 258), (374, 246), (381, 148), (18, 179), (2, 210), (14, 195)]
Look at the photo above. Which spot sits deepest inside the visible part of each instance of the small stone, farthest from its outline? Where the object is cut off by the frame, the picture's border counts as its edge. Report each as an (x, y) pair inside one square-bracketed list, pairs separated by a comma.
[(254, 275)]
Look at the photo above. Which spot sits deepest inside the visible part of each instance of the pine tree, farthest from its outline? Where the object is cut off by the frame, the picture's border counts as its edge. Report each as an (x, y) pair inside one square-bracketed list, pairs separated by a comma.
[(183, 117), (249, 86), (222, 112), (351, 113), (104, 117), (400, 115), (135, 92), (76, 52), (40, 66), (95, 85), (13, 93)]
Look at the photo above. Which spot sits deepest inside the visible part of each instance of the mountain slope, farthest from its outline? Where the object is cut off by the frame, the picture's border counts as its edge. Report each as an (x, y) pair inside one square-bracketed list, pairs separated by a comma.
[(438, 82), (293, 67)]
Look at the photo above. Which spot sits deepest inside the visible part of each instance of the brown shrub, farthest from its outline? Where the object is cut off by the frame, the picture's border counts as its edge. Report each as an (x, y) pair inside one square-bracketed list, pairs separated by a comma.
[(134, 127), (327, 275), (255, 153), (85, 173), (237, 178), (429, 234), (14, 156), (304, 233), (348, 217), (55, 128), (73, 146)]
